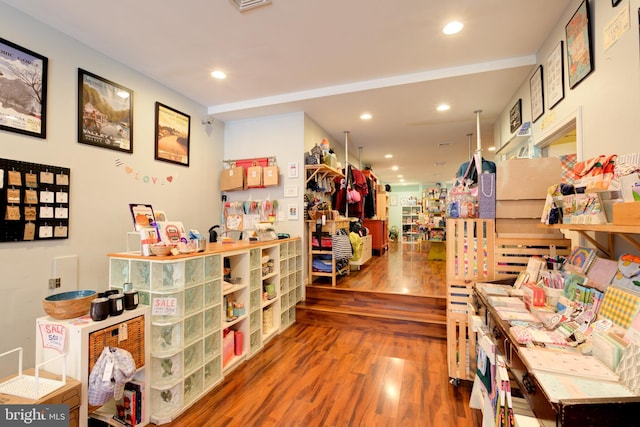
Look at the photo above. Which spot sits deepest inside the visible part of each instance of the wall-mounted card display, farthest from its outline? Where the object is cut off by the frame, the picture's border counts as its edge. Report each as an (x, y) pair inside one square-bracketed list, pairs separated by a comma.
[(34, 201)]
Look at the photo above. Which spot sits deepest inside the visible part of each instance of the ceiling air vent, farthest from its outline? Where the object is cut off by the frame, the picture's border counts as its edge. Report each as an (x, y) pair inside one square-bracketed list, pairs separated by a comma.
[(245, 5)]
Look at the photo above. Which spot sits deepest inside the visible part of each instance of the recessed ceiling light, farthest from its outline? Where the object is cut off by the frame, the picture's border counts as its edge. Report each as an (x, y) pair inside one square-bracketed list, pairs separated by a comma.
[(443, 107), (219, 75), (492, 148), (395, 168), (365, 116), (400, 176), (438, 163), (388, 156), (402, 180), (452, 27)]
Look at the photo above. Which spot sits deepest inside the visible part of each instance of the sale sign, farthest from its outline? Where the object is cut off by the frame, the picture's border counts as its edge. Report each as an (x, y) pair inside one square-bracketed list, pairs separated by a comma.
[(53, 336)]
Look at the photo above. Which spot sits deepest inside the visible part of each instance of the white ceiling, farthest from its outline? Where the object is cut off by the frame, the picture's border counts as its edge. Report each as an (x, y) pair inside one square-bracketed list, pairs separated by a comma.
[(333, 59)]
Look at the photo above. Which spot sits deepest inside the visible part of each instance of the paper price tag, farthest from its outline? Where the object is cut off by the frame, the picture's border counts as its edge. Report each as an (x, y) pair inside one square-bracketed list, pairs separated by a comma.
[(108, 369), (123, 332)]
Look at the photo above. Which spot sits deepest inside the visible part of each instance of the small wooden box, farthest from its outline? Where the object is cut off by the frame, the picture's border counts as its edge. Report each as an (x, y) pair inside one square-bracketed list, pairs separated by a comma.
[(627, 213)]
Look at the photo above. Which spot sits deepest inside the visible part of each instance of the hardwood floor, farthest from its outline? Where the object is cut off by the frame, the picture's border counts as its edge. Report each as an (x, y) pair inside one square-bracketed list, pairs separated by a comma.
[(404, 268), (317, 376), (314, 374)]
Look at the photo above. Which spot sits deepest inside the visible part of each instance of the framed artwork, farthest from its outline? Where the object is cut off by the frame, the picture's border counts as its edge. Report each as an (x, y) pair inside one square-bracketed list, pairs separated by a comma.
[(292, 212), (142, 215), (292, 170), (515, 116), (105, 113), (555, 76), (579, 49), (537, 94), (23, 98), (173, 130)]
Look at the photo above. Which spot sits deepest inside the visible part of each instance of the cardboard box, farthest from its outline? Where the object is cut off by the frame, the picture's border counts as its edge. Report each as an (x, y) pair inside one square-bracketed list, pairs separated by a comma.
[(627, 213), (69, 394), (522, 179), (529, 208)]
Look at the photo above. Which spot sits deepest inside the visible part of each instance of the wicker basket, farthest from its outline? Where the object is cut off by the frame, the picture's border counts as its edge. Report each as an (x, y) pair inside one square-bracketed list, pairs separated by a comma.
[(315, 214), (108, 337)]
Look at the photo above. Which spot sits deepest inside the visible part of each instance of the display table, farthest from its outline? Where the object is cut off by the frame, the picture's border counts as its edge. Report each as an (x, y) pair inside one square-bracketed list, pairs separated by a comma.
[(69, 394), (565, 412)]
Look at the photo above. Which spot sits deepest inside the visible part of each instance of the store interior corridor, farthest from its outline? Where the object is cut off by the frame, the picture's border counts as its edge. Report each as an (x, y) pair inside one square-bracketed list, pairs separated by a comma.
[(404, 269)]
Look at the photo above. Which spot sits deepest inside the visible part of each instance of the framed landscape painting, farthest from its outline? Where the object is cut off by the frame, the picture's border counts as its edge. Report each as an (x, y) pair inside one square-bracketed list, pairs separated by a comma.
[(105, 113), (23, 90), (172, 135)]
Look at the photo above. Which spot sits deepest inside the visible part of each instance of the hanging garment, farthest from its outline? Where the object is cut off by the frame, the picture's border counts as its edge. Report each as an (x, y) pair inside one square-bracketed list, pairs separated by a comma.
[(370, 200)]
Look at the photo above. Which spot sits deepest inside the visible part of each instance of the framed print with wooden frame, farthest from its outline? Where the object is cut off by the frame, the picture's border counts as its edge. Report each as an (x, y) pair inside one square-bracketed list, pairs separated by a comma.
[(173, 130), (579, 46), (23, 98), (105, 113), (555, 76), (537, 94)]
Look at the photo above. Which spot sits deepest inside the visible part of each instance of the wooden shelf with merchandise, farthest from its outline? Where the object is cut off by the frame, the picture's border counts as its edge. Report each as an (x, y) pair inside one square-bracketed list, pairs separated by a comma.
[(625, 232)]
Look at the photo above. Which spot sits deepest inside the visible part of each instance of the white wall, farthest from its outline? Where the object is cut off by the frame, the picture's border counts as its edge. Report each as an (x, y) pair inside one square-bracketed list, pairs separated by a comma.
[(100, 191), (281, 136), (609, 96)]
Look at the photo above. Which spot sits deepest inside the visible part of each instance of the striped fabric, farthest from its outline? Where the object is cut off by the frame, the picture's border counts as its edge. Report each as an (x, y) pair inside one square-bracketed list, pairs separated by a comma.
[(619, 306)]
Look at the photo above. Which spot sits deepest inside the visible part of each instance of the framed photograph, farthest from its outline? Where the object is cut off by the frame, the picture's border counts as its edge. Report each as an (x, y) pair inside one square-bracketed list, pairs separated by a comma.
[(292, 170), (292, 212), (537, 94), (555, 76), (579, 48), (515, 116), (105, 113), (173, 130), (23, 98)]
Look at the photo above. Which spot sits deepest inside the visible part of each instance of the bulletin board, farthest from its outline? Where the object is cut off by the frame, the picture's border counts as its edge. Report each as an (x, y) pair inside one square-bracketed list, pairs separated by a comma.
[(34, 201)]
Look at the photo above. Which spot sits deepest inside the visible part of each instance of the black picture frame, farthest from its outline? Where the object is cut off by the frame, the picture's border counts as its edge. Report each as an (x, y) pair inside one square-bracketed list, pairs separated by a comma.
[(173, 134), (537, 94), (580, 61), (555, 76), (105, 113), (515, 116), (23, 98)]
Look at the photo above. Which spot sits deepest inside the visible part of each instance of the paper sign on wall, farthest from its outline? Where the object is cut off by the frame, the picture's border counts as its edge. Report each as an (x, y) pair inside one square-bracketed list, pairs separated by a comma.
[(53, 336), (164, 306)]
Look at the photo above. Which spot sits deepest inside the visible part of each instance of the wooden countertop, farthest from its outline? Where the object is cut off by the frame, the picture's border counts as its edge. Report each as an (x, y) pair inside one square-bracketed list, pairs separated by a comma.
[(212, 248)]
